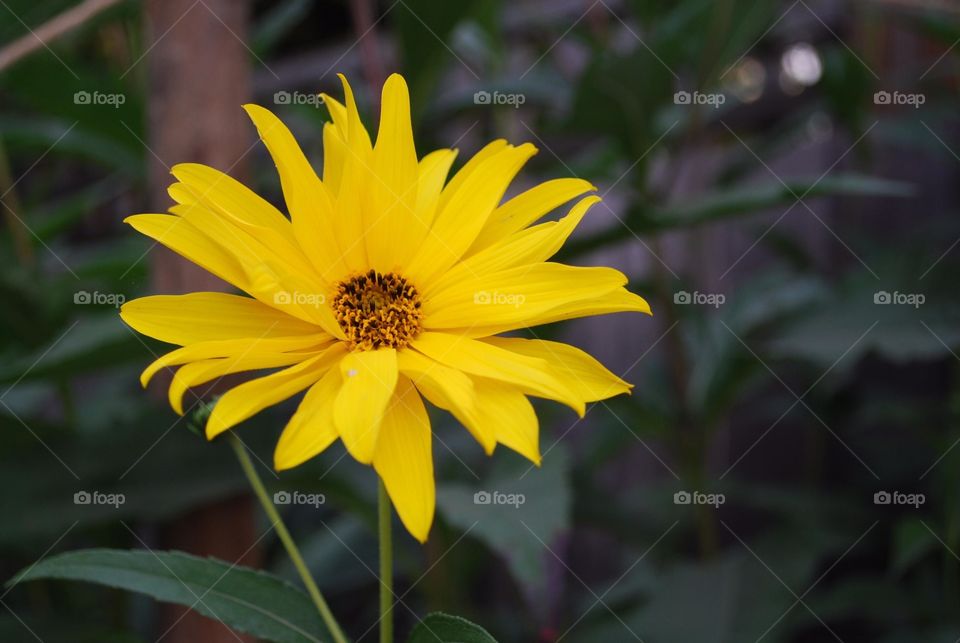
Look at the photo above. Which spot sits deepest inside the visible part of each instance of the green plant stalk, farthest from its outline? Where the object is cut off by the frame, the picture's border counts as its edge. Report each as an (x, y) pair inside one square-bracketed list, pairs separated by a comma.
[(386, 563), (261, 492)]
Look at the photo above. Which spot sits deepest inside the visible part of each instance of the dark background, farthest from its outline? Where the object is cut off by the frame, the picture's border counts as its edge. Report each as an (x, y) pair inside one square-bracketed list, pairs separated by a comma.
[(796, 242)]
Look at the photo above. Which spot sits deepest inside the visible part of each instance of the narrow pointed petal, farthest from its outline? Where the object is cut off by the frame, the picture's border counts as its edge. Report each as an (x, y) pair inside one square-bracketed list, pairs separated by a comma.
[(311, 429), (404, 460), (220, 348), (527, 207), (193, 245), (249, 398), (395, 224), (208, 316), (584, 374), (369, 379), (460, 219), (311, 207), (516, 294), (230, 197), (524, 248), (528, 374), (211, 371), (449, 389), (619, 300), (509, 415)]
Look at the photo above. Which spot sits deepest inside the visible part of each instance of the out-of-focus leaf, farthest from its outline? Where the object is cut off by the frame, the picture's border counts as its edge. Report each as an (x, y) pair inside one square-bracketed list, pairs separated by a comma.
[(741, 201), (609, 101), (71, 138), (324, 553), (66, 627), (520, 531), (279, 20), (445, 628), (736, 202), (243, 599), (84, 345), (734, 597), (911, 542), (424, 28), (57, 215)]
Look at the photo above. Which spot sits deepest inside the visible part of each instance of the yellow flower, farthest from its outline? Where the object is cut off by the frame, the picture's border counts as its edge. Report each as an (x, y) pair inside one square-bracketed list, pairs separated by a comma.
[(387, 283)]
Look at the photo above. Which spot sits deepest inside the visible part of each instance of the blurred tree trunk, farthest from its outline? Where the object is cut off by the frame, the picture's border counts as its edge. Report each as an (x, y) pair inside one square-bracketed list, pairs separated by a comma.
[(198, 77)]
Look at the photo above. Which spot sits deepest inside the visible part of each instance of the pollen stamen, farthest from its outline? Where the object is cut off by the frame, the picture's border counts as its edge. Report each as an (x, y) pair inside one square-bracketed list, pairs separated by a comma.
[(377, 310)]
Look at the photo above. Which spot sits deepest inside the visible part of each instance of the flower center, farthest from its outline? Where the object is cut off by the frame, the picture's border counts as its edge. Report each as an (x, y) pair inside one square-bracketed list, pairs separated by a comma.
[(377, 310)]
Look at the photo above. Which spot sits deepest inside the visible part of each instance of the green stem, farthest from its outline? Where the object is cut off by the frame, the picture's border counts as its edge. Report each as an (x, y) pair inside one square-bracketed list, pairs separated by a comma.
[(386, 564), (286, 539)]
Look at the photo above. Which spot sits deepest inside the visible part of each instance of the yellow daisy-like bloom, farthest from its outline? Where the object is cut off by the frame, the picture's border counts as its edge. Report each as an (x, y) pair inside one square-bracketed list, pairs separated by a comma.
[(386, 285)]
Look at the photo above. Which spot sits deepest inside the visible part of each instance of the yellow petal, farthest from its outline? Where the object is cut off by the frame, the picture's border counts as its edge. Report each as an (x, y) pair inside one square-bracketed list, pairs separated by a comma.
[(529, 374), (229, 197), (311, 429), (509, 415), (249, 398), (490, 149), (356, 133), (234, 233), (404, 460), (432, 174), (516, 294), (394, 224), (354, 200), (369, 379), (190, 243), (338, 114), (252, 247), (527, 207), (584, 374), (462, 217), (208, 316), (334, 151), (227, 347), (526, 247), (213, 370), (311, 207), (448, 389), (619, 300)]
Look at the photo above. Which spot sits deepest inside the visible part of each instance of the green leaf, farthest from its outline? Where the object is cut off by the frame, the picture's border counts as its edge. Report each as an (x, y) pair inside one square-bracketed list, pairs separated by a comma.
[(445, 628), (516, 531), (424, 28), (277, 22), (735, 202), (749, 199), (244, 599), (911, 542)]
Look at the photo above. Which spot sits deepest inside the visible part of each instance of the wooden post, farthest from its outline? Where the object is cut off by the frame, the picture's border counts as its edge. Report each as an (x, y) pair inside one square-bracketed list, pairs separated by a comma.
[(198, 77)]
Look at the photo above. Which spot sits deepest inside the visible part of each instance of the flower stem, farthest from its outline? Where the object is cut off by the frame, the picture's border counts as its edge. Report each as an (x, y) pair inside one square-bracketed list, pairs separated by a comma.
[(261, 492), (386, 564)]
